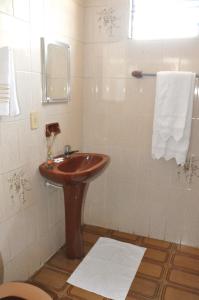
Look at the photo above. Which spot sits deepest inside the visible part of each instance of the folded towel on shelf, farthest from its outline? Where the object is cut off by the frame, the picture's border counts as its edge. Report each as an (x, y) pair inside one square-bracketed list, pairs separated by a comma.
[(8, 97), (172, 116)]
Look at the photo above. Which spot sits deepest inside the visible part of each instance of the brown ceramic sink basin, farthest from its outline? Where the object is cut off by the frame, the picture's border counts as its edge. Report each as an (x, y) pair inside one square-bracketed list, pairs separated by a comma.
[(75, 173), (80, 167)]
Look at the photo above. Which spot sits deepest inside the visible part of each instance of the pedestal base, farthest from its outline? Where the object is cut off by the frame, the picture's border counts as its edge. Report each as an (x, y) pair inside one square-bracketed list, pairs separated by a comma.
[(74, 195)]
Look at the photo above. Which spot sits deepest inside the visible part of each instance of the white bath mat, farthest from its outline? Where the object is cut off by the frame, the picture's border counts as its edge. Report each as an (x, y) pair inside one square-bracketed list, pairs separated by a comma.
[(108, 269)]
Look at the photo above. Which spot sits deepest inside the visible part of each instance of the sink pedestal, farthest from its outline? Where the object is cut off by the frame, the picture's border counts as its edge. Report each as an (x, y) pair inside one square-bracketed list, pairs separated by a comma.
[(74, 195), (74, 174)]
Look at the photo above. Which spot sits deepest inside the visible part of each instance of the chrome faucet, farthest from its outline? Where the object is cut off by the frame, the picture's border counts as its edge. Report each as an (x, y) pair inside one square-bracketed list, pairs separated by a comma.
[(68, 151)]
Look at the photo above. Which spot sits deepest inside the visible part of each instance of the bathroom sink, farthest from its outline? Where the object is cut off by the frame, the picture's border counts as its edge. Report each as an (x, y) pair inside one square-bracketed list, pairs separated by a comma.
[(80, 167), (75, 174)]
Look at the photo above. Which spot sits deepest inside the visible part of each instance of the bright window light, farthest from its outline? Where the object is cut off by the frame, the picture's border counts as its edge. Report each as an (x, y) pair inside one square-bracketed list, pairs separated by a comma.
[(164, 19)]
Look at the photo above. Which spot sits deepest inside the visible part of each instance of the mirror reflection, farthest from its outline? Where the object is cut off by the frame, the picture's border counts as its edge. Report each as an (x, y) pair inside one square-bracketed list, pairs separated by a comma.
[(55, 71)]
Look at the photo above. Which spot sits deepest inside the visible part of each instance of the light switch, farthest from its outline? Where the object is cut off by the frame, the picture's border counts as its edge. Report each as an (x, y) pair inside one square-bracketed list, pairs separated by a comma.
[(34, 120)]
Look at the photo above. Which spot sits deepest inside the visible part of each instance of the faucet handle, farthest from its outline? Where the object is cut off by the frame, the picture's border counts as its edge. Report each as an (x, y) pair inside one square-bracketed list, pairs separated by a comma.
[(73, 151)]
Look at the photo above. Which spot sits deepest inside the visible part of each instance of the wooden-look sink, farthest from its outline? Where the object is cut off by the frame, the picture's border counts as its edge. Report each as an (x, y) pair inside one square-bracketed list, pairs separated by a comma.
[(75, 173)]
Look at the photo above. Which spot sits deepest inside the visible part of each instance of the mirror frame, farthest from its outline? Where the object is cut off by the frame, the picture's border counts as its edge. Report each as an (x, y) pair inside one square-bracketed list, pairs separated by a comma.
[(44, 55)]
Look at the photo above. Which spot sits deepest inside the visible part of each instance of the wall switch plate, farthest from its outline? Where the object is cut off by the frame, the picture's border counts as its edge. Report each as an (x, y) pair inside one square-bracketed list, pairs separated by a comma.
[(34, 120)]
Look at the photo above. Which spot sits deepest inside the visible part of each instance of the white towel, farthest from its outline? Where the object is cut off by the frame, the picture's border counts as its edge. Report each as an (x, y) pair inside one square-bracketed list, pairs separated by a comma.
[(173, 114), (8, 97), (4, 93)]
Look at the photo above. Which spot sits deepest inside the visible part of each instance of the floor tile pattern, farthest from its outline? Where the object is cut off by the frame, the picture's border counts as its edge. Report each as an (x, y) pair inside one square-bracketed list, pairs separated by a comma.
[(167, 272)]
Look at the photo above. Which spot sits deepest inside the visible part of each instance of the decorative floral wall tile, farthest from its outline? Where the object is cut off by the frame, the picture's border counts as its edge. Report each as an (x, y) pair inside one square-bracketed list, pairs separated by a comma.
[(107, 20), (189, 172), (16, 191), (18, 185)]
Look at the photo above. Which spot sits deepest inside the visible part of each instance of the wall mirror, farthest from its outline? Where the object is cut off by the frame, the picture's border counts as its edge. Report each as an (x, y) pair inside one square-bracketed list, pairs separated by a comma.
[(55, 65)]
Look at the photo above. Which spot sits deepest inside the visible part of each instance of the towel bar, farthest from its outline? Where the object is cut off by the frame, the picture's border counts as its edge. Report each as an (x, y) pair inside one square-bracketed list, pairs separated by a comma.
[(54, 185), (140, 74)]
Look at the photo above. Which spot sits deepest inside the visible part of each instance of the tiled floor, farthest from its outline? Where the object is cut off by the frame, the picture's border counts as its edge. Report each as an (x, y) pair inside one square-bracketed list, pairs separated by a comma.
[(168, 271)]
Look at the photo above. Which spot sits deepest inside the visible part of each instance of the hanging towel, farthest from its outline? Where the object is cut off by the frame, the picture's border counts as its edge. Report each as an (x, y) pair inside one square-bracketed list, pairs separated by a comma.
[(8, 97), (173, 114)]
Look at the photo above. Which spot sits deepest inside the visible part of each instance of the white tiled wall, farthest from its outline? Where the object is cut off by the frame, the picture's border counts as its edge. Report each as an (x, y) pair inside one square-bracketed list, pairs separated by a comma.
[(135, 194), (31, 215)]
